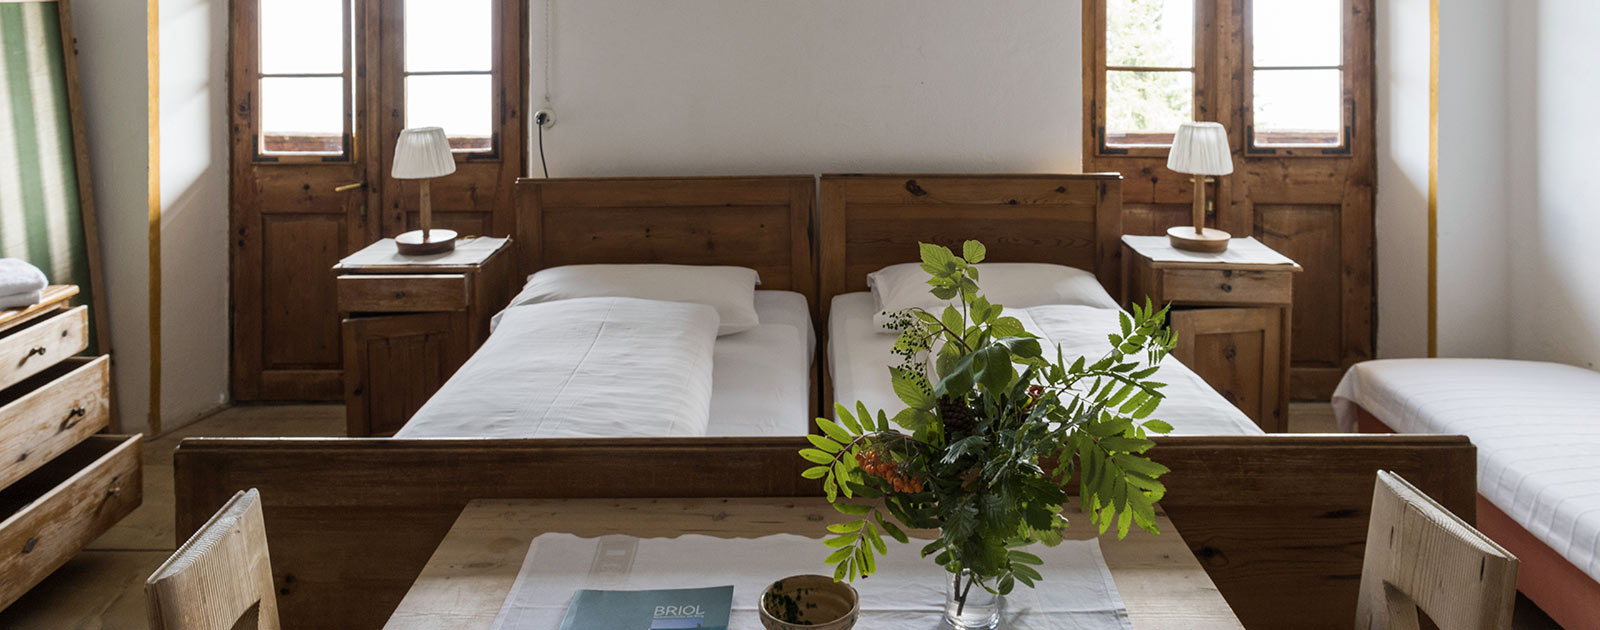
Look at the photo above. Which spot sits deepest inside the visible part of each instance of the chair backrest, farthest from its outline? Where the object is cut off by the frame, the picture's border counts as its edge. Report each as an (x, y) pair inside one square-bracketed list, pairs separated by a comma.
[(1420, 556), (221, 575)]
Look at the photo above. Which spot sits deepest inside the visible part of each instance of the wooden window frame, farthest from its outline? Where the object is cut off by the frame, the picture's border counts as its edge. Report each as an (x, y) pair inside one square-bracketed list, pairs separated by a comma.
[(1205, 67), (348, 76), (496, 72), (1347, 104)]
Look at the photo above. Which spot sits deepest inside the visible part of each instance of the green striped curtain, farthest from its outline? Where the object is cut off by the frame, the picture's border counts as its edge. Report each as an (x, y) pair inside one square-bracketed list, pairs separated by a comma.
[(40, 219)]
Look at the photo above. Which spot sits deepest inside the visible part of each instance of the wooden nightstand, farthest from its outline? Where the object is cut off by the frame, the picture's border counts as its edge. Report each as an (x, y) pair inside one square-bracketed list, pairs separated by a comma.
[(409, 322), (1231, 311)]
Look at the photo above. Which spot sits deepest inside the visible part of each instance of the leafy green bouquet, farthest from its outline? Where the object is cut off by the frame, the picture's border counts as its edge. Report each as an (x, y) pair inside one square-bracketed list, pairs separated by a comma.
[(983, 451)]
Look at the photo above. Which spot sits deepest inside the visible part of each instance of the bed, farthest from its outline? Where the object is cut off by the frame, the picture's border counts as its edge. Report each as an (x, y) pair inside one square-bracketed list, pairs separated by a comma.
[(873, 221), (631, 368), (1537, 430), (1278, 521)]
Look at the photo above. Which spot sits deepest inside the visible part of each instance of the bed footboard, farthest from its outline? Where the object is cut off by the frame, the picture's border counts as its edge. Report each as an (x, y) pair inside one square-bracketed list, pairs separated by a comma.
[(1278, 521)]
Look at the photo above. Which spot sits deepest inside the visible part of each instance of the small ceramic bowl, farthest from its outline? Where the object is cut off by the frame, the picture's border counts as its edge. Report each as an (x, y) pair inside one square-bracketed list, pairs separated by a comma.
[(809, 602)]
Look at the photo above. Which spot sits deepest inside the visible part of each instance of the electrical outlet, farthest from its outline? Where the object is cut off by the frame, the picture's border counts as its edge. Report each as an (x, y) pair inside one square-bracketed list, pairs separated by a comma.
[(544, 118)]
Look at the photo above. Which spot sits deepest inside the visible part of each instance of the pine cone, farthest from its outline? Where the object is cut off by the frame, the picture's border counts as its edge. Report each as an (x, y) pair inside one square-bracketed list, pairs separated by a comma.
[(957, 416)]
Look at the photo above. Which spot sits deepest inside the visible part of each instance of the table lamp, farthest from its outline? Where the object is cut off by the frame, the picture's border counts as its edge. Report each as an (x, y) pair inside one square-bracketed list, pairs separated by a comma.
[(423, 153), (1200, 149)]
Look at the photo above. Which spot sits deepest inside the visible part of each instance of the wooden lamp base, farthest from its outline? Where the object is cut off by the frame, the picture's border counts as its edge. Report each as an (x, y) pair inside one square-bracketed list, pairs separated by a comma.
[(1206, 240), (420, 243)]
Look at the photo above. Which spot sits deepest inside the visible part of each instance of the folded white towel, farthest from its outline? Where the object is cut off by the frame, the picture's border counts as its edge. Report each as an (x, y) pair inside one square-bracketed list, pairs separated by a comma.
[(18, 278), (21, 300)]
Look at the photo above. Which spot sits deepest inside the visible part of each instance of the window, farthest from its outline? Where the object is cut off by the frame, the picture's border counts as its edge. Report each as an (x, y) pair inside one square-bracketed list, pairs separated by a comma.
[(449, 70), (304, 79), (1149, 71), (1296, 78)]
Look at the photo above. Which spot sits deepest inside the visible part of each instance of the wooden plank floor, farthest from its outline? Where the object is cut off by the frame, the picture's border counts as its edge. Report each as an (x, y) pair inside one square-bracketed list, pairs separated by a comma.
[(103, 588)]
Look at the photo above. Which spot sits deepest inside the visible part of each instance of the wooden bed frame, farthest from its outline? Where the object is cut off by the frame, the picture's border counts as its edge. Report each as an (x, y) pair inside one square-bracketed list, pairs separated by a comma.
[(765, 223), (1278, 521), (1559, 588), (869, 222)]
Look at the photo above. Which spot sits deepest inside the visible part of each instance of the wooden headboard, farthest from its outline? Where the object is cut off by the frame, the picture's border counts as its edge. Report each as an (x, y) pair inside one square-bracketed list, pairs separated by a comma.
[(871, 221), (764, 223)]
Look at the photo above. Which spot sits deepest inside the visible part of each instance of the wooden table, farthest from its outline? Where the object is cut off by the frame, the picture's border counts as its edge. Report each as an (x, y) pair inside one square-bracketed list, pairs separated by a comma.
[(469, 576)]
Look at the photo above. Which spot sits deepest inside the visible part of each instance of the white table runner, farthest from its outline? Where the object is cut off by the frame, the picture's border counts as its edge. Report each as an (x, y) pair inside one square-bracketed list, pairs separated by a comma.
[(907, 593)]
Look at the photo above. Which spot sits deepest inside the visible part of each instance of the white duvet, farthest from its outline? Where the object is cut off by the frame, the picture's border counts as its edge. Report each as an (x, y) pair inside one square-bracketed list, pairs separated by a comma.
[(859, 356), (589, 367), (1536, 426)]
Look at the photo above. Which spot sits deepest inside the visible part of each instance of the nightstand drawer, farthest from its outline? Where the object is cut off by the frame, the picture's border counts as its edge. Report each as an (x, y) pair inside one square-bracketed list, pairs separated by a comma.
[(1220, 286), (406, 293)]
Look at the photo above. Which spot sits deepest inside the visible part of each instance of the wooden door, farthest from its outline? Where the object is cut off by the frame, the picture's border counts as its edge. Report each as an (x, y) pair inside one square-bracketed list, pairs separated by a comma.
[(1238, 352), (1292, 82), (395, 363), (319, 96), (301, 186)]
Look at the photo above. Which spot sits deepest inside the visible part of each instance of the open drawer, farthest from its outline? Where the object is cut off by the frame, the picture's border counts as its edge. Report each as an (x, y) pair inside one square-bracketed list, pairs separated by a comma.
[(54, 511), (50, 412)]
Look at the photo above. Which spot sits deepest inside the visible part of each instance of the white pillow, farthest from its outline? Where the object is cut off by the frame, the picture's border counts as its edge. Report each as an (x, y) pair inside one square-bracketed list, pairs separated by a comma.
[(1012, 285), (730, 290)]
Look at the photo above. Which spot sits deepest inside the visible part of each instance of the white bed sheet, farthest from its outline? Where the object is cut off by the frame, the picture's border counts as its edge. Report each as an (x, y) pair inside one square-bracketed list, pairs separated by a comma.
[(1536, 426), (760, 385), (761, 378), (859, 356), (590, 367)]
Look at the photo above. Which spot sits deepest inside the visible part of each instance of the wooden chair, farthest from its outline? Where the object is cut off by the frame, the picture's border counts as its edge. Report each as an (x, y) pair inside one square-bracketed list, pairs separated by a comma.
[(1422, 557), (220, 579)]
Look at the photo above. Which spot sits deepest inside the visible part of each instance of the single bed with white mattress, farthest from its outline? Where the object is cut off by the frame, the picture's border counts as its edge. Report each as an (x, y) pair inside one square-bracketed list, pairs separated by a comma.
[(759, 382), (1536, 426), (860, 352)]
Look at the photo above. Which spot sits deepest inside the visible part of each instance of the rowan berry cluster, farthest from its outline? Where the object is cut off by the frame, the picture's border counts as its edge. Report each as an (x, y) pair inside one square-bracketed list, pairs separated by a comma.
[(888, 470)]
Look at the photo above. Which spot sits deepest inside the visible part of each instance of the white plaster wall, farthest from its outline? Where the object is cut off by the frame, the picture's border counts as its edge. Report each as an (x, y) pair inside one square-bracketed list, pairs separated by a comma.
[(112, 78), (1474, 255), (783, 86), (1555, 209), (194, 215), (1403, 55)]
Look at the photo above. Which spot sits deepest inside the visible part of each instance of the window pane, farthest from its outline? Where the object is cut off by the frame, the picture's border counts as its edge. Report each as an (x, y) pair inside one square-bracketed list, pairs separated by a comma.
[(448, 35), (1150, 33), (302, 36), (1142, 107), (1297, 106), (461, 104), (302, 115), (1296, 32)]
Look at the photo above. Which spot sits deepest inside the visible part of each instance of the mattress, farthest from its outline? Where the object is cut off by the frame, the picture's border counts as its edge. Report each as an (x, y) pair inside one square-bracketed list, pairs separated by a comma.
[(760, 385), (859, 355), (1536, 426), (761, 378)]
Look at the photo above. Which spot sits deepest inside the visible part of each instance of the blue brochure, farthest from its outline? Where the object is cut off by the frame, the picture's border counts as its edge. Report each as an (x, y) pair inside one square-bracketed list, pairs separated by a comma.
[(672, 609)]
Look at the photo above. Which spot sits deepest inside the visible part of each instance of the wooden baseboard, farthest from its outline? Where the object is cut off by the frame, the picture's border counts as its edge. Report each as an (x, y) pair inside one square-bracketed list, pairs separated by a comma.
[(1307, 384)]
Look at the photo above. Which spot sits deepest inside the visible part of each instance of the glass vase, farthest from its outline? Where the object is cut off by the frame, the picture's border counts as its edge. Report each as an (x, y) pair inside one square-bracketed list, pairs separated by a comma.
[(969, 606)]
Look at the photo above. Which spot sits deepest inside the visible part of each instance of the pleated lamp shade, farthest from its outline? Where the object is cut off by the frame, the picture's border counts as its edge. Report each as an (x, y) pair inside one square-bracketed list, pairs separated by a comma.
[(1200, 148), (421, 153)]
